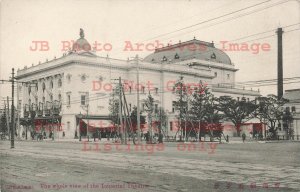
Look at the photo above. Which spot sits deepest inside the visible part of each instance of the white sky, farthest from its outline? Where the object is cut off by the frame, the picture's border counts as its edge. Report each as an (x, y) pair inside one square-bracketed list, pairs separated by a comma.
[(116, 21)]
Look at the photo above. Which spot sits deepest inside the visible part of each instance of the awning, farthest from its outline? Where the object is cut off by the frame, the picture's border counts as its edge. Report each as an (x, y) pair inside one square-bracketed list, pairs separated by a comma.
[(99, 123)]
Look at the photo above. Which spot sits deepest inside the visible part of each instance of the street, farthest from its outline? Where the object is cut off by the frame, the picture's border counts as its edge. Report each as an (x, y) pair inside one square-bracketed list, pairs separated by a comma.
[(103, 166)]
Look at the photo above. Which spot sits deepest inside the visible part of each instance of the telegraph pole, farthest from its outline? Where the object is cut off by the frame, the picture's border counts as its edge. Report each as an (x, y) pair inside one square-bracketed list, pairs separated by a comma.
[(7, 118), (18, 112), (120, 111), (12, 144), (279, 64), (138, 100)]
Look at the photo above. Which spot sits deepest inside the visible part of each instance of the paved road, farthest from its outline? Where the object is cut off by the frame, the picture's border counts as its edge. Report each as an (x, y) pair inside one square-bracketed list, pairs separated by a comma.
[(67, 166)]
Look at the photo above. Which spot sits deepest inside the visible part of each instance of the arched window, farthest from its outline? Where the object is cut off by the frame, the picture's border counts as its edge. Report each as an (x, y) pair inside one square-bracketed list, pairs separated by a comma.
[(51, 84), (59, 97), (29, 89), (44, 99), (51, 97), (44, 87), (59, 83)]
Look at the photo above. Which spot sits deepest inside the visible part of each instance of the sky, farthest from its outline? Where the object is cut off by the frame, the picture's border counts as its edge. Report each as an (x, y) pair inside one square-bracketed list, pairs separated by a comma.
[(116, 21)]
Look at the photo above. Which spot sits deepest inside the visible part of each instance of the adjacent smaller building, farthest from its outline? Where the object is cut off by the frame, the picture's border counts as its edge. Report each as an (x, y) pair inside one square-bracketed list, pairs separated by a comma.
[(293, 106)]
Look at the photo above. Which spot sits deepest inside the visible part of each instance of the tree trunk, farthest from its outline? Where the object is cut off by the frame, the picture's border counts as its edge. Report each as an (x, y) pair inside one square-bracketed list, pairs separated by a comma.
[(238, 129)]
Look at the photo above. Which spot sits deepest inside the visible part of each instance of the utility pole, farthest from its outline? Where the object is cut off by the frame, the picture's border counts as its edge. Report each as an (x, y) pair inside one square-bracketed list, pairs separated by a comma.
[(52, 109), (181, 106), (127, 116), (138, 100), (88, 122), (279, 64), (18, 112), (8, 118), (120, 111), (12, 144)]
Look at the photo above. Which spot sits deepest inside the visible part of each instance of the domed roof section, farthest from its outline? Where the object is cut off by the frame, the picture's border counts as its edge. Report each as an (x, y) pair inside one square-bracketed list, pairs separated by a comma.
[(193, 49), (81, 44)]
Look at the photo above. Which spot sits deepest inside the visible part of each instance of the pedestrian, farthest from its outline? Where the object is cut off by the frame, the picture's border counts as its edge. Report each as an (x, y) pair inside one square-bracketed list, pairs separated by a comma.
[(244, 137)]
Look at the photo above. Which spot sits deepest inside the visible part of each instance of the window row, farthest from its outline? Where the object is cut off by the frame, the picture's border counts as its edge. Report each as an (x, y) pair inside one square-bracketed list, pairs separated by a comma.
[(51, 85)]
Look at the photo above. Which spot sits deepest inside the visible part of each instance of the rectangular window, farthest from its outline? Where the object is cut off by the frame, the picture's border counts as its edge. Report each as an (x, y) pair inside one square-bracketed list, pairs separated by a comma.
[(228, 76), (19, 104), (156, 90), (293, 109), (173, 106), (171, 126), (288, 109), (83, 100), (156, 107), (216, 74)]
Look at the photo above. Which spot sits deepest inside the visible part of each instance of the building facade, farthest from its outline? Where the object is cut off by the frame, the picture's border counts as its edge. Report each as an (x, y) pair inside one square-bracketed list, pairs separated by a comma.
[(292, 107), (74, 90)]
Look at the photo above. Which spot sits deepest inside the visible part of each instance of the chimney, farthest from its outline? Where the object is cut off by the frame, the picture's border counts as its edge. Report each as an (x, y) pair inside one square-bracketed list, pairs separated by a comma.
[(279, 64)]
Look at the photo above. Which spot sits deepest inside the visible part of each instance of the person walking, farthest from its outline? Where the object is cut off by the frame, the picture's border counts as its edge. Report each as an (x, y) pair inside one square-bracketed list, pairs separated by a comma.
[(244, 137)]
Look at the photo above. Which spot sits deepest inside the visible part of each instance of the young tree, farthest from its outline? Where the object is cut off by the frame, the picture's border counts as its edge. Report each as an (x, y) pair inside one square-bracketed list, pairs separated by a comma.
[(213, 116), (3, 124), (133, 117), (198, 111), (270, 112), (237, 111), (287, 118), (114, 107), (161, 118), (149, 104), (181, 91)]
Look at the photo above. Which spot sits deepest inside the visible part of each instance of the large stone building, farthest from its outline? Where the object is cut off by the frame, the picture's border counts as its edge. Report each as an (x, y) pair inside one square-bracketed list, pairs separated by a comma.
[(76, 87)]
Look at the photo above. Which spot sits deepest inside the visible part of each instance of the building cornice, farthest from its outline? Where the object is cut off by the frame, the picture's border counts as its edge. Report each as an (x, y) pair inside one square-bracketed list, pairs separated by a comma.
[(73, 59), (235, 91)]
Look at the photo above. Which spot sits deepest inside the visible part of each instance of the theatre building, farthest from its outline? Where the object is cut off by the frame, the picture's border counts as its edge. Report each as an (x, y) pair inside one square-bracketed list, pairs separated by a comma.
[(71, 91)]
